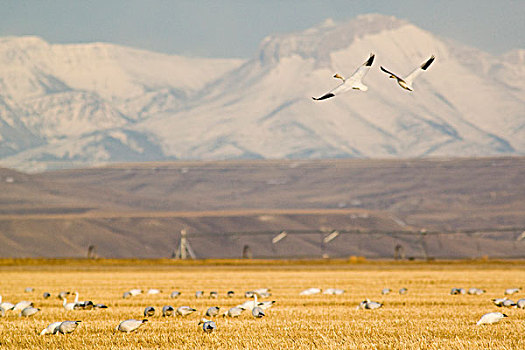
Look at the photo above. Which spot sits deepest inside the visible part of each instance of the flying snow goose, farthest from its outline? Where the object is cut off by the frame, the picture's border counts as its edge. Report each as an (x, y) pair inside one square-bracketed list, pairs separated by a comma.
[(406, 83), (51, 329), (67, 327), (130, 325), (207, 325), (354, 82), (491, 317)]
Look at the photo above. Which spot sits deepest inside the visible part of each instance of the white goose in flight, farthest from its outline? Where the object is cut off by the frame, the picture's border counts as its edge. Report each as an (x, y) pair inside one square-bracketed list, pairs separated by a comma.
[(406, 83), (353, 82)]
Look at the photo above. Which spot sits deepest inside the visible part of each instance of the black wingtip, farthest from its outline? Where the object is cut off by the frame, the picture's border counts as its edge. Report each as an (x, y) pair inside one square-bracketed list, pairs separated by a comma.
[(370, 60), (324, 97), (425, 65)]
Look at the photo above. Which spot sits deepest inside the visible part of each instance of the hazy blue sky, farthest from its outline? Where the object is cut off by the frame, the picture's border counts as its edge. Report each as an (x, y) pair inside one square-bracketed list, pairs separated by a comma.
[(231, 28)]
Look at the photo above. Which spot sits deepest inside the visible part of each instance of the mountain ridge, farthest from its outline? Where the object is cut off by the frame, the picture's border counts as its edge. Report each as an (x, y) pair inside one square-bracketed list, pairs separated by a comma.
[(468, 103)]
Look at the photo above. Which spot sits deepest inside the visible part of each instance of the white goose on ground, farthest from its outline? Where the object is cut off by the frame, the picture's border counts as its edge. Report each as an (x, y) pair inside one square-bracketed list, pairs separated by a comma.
[(67, 327), (185, 310), (354, 82), (407, 82), (5, 305), (51, 329), (130, 325), (491, 317), (257, 312), (207, 325)]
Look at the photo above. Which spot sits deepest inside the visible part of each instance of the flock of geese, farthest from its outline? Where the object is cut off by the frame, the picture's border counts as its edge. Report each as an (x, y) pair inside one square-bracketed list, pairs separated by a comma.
[(256, 307), (355, 81)]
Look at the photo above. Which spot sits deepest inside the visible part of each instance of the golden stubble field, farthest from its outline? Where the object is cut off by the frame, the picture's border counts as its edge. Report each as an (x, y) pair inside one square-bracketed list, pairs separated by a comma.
[(427, 317)]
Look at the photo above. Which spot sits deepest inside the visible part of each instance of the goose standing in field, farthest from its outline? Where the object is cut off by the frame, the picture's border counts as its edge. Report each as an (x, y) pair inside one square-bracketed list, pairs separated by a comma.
[(521, 303), (265, 305), (149, 311), (509, 303), (257, 312), (499, 301), (69, 306), (230, 294), (491, 317), (233, 312), (334, 291), (386, 291), (5, 305), (207, 325), (46, 295), (67, 327), (174, 294), (214, 295), (126, 295), (167, 311), (2, 312), (406, 83), (51, 329), (63, 295), (354, 82), (511, 291), (369, 305), (28, 311), (135, 292), (130, 325), (310, 291), (154, 291), (29, 290), (100, 306), (185, 310), (476, 291), (212, 311), (199, 294), (403, 291), (22, 305)]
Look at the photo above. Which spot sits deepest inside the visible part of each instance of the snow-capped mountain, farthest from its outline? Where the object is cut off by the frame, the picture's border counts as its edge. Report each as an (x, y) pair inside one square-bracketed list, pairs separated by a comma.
[(99, 102)]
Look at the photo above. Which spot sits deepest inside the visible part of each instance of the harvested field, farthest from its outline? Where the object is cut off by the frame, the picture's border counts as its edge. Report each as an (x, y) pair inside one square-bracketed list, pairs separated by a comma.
[(427, 317)]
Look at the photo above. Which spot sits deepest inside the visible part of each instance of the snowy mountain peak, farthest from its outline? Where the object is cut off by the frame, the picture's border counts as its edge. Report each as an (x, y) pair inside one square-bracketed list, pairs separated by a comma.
[(85, 104), (320, 41)]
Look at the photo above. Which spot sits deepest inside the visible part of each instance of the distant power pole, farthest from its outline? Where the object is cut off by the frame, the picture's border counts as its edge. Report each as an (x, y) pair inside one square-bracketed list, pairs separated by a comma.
[(184, 251)]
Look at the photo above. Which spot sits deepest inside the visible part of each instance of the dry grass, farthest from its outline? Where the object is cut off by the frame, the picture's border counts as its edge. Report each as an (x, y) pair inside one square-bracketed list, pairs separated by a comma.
[(428, 317)]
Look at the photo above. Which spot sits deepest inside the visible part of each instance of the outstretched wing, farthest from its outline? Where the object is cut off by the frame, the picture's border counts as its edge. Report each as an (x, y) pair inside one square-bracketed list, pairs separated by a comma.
[(413, 75), (392, 74), (324, 97), (360, 73)]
